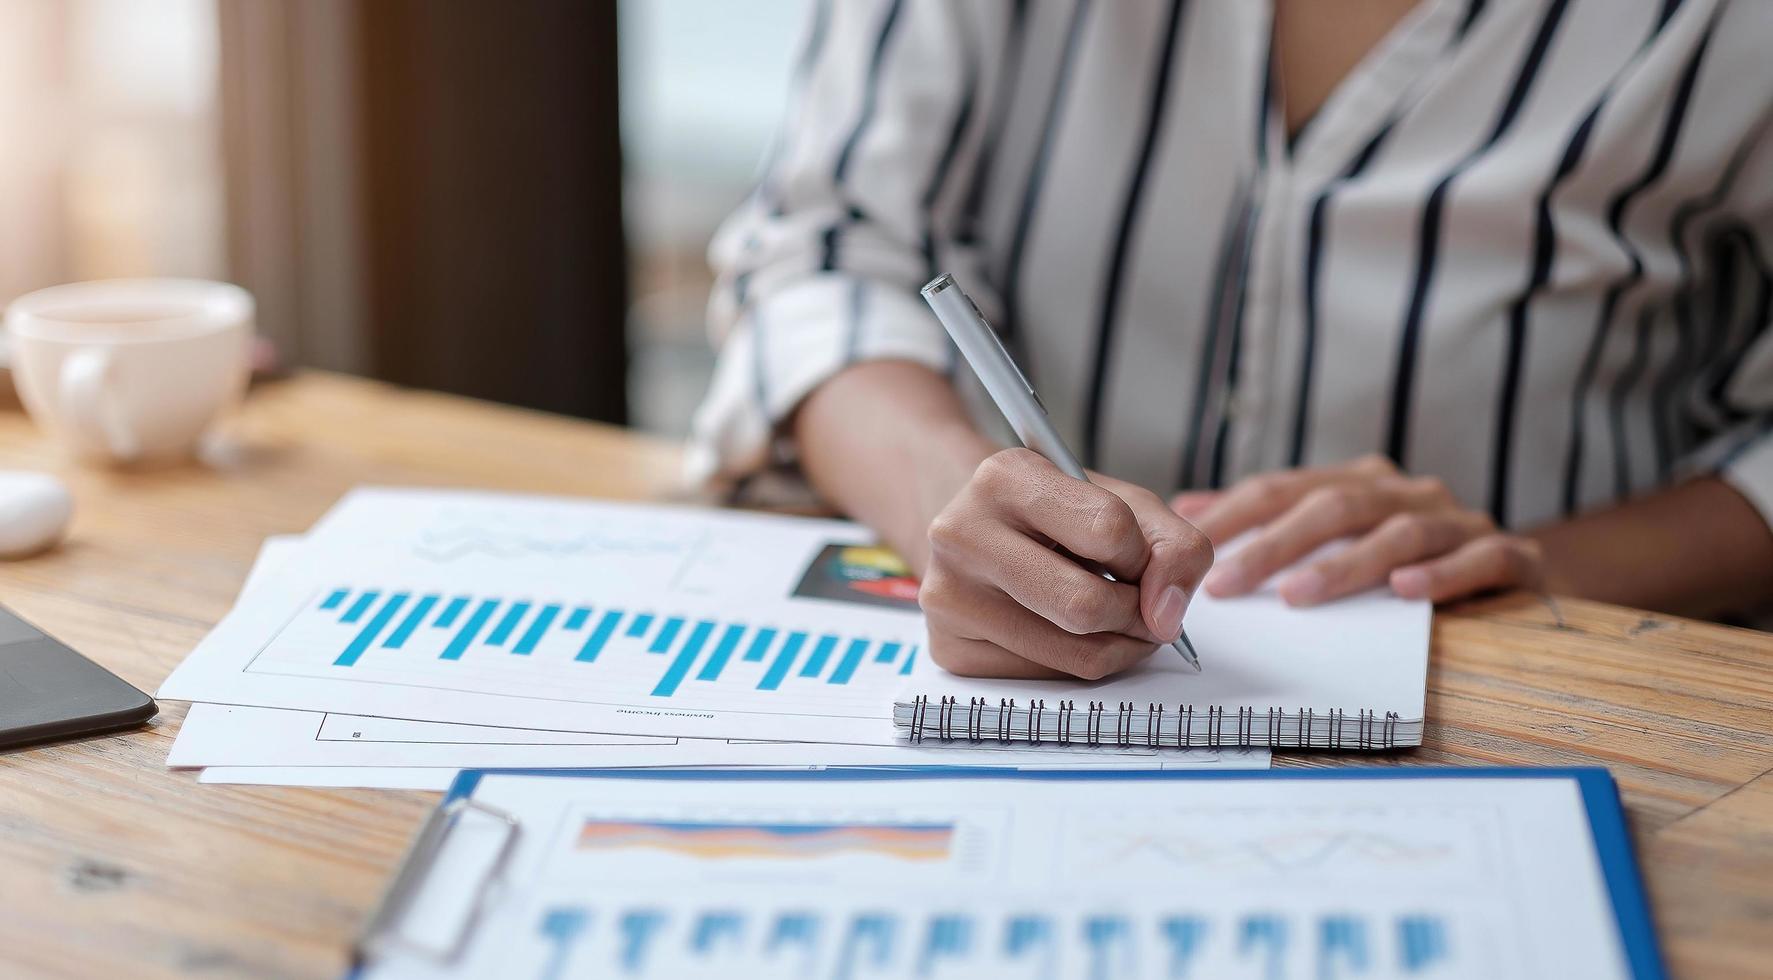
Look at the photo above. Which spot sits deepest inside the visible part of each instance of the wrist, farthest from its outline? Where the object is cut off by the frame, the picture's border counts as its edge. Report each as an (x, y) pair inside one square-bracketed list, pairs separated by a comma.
[(889, 444), (943, 464)]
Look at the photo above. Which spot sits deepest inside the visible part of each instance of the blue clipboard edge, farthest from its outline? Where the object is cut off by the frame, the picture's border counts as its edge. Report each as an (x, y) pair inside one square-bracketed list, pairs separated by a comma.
[(1600, 797)]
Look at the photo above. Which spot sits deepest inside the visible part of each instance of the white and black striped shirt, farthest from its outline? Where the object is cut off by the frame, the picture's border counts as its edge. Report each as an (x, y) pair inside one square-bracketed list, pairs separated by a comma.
[(1526, 245)]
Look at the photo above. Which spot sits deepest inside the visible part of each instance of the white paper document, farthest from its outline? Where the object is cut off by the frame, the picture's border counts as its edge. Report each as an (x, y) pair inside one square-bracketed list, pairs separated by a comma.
[(1132, 876), (564, 614), (298, 742), (335, 777)]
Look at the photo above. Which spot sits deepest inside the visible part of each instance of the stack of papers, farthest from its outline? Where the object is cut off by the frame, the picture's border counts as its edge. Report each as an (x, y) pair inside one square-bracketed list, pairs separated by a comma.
[(413, 633)]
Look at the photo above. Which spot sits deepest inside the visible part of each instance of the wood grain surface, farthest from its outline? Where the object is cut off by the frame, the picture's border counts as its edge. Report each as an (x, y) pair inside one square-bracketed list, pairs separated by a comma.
[(112, 865)]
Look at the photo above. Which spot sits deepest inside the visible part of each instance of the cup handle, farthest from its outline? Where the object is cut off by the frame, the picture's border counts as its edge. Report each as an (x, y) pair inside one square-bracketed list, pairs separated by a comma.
[(88, 377)]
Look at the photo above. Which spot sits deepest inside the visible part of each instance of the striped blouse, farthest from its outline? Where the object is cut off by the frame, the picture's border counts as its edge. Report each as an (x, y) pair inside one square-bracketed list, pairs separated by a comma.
[(1524, 246)]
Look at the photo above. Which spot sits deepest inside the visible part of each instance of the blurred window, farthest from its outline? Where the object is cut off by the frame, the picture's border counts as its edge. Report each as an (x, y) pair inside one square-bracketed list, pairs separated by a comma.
[(111, 163), (703, 87)]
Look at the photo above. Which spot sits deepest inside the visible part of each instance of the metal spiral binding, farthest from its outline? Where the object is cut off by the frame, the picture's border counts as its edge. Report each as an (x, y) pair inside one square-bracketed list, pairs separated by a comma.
[(1371, 730)]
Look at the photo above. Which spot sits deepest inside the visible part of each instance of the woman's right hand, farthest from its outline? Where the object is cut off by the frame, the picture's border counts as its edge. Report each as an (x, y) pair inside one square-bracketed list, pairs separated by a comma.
[(1001, 601)]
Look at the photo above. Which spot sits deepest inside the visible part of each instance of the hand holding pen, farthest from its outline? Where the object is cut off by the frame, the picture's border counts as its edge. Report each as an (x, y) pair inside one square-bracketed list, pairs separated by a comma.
[(1001, 601), (1037, 567)]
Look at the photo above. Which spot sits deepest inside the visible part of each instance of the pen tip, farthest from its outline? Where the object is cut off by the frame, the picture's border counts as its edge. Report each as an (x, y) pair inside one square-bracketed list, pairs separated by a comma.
[(1185, 647)]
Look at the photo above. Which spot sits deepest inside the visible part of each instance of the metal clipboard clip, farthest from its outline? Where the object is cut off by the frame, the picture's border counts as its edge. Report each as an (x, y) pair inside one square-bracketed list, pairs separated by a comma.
[(381, 934)]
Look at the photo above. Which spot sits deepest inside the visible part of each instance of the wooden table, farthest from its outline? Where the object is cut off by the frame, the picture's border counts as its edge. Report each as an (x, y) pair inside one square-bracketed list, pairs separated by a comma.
[(111, 865)]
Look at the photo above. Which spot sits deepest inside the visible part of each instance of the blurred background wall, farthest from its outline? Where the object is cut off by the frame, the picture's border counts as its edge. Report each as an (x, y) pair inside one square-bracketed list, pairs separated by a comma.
[(509, 200), (703, 87)]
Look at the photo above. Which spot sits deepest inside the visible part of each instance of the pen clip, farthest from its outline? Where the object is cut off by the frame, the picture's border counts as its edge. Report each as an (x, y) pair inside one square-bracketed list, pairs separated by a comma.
[(381, 934), (1009, 358)]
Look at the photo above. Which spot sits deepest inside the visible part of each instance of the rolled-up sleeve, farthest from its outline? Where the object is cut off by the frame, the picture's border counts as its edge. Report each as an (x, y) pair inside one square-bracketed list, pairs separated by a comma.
[(1746, 456), (1742, 454), (1751, 473), (862, 201)]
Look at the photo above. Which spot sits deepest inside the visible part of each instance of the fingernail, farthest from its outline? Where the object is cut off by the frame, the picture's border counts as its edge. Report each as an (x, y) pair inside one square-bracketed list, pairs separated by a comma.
[(1227, 579), (1168, 614), (1411, 583), (1304, 587)]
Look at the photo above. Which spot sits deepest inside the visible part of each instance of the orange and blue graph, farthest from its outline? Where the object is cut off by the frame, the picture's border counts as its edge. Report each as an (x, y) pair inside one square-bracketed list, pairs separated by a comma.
[(722, 840), (691, 649)]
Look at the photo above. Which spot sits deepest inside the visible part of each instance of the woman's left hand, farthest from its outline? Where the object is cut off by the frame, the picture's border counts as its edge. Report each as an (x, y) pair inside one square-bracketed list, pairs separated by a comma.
[(1410, 533)]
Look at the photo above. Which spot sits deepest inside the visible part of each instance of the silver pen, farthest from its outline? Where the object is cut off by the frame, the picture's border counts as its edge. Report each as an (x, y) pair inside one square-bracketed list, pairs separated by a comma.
[(1010, 389)]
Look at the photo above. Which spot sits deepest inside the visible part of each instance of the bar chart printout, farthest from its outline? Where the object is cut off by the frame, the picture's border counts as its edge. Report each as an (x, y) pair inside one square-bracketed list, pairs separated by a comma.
[(852, 875), (666, 938), (790, 657), (708, 647)]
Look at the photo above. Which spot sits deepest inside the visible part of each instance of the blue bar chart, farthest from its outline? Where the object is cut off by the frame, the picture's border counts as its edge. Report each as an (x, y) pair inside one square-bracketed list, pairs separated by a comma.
[(660, 655), (900, 940)]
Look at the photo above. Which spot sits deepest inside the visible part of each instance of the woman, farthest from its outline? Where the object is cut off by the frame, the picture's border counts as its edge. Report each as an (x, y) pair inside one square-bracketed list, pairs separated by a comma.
[(1481, 285)]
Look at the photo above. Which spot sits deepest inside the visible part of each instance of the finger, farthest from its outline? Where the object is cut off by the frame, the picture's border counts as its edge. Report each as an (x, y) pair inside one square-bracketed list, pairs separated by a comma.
[(1029, 493), (1402, 539), (1180, 557), (1056, 588), (1195, 503), (1254, 502), (1326, 513), (957, 629), (1259, 499), (1495, 561), (979, 658)]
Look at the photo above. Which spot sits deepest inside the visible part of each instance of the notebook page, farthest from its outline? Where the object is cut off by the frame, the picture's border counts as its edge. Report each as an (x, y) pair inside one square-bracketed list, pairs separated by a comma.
[(1364, 652)]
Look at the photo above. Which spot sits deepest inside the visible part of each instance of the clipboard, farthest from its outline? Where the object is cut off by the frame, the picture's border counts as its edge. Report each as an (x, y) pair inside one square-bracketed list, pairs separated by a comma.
[(1599, 796)]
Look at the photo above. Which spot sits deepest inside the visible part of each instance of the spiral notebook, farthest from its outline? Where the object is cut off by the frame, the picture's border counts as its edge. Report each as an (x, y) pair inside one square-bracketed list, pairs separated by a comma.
[(1345, 675)]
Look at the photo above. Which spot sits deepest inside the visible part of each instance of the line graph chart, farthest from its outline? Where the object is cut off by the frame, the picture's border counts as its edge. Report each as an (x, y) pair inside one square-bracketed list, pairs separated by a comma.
[(1448, 846), (1283, 853)]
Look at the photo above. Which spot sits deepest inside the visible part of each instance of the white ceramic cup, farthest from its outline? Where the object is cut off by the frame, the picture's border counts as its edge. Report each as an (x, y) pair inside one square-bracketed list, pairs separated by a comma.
[(131, 370)]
